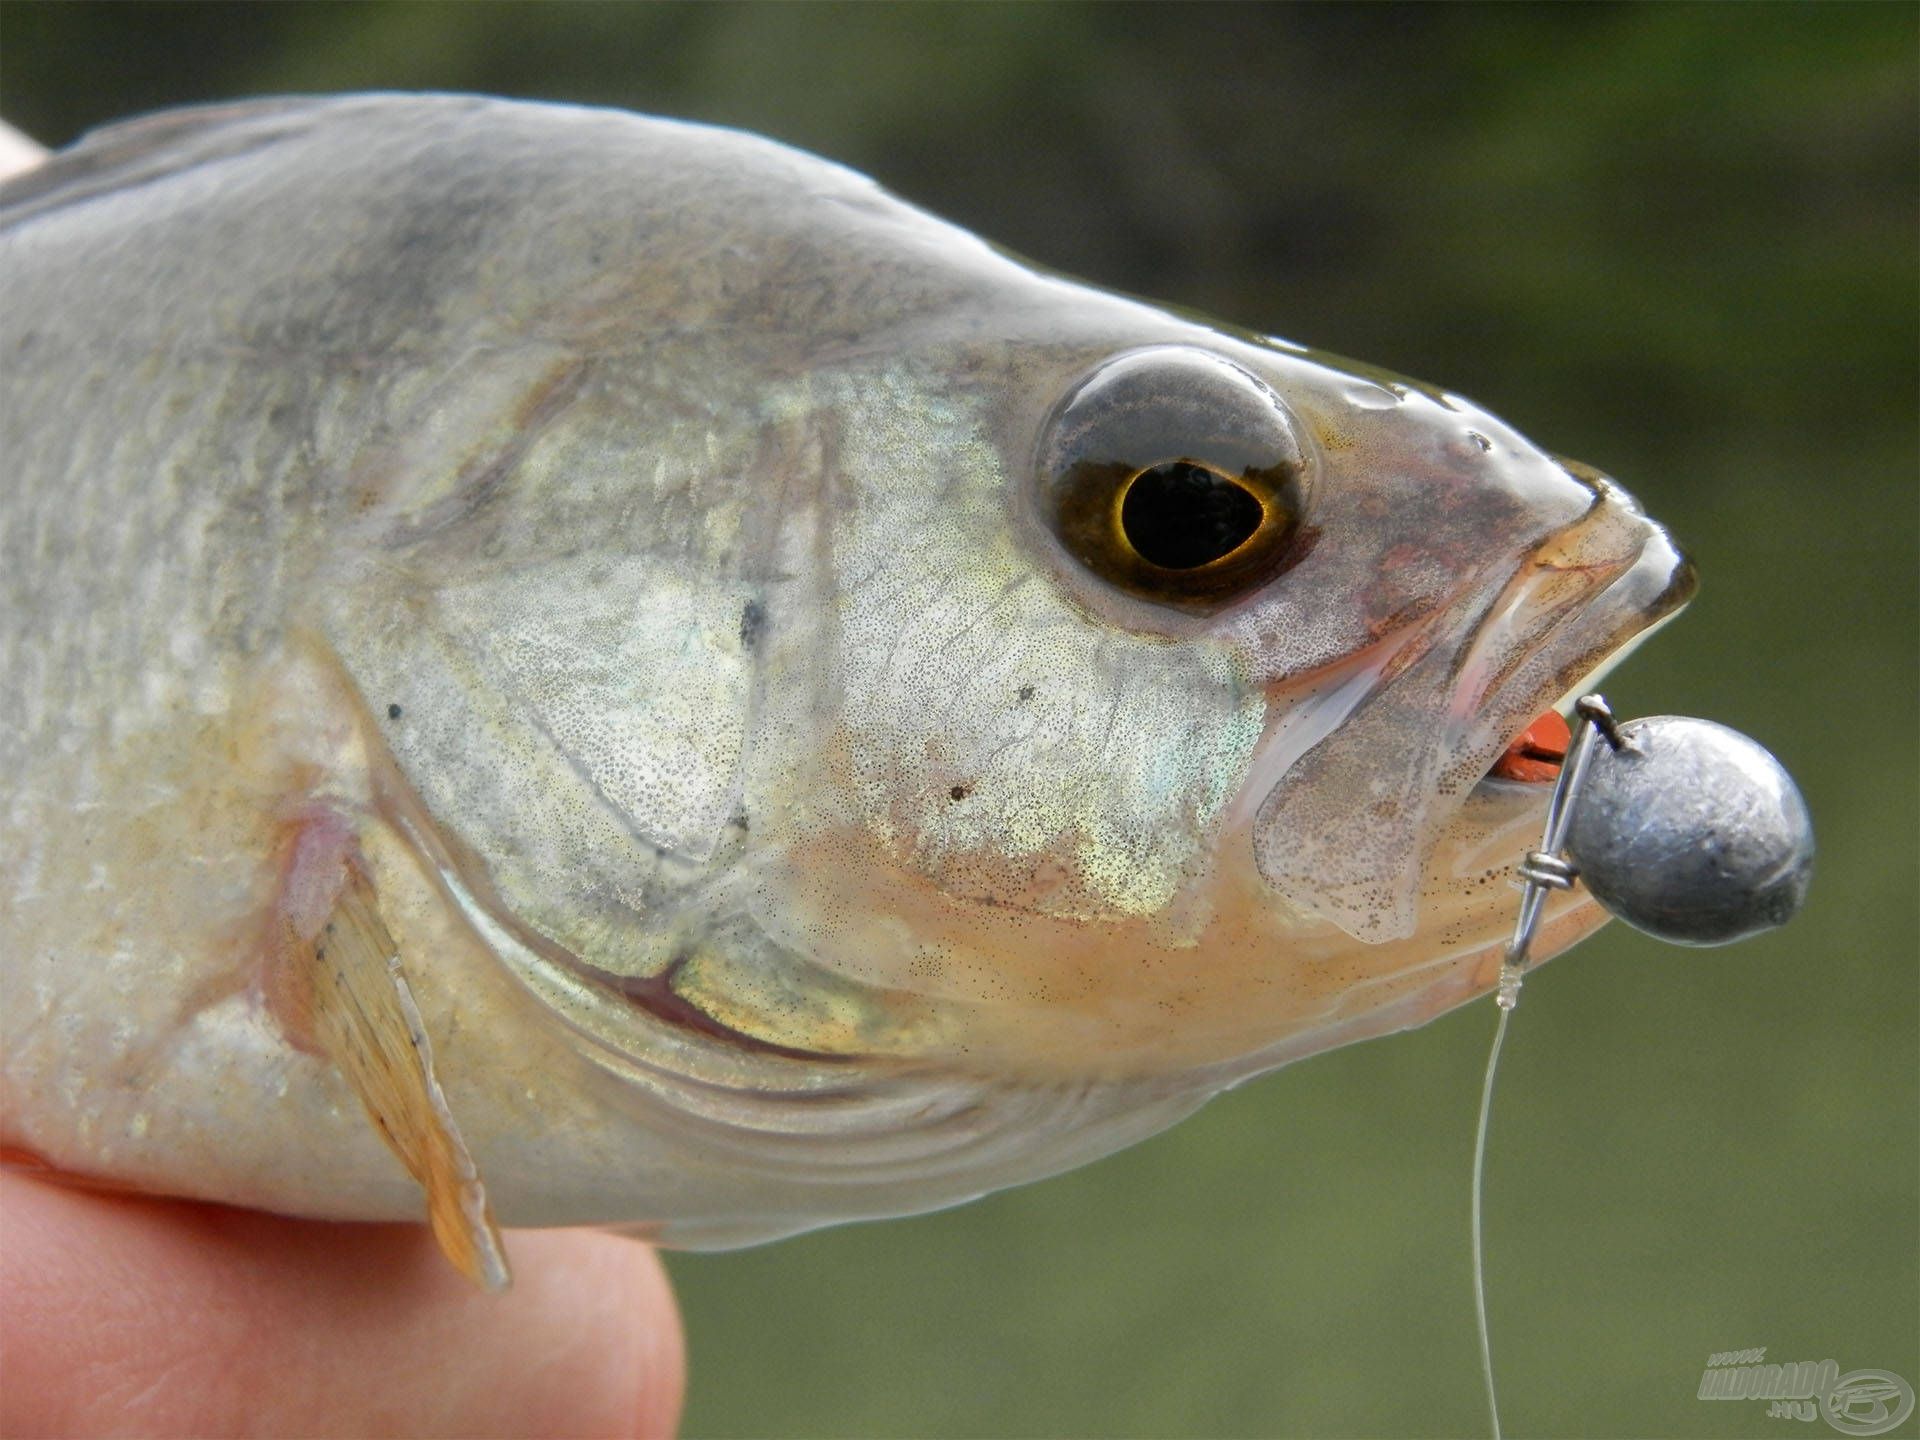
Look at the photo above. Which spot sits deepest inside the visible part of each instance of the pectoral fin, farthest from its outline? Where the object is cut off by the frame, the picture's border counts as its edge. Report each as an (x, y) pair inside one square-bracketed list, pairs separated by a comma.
[(362, 1015)]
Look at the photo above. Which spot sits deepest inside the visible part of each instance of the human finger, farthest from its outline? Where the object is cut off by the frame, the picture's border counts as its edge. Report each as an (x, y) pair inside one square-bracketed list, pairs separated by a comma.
[(132, 1315)]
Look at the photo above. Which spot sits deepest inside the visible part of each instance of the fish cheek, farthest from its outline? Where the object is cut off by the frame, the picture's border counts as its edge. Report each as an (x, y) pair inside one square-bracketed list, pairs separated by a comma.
[(1091, 762)]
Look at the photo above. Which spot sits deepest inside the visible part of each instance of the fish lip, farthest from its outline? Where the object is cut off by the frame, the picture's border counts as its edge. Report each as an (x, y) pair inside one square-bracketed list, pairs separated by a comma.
[(1658, 583)]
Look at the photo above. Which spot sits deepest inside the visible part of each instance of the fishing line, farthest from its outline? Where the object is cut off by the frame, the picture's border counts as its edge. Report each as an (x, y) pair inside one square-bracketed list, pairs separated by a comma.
[(1479, 1189), (1542, 870), (1689, 831)]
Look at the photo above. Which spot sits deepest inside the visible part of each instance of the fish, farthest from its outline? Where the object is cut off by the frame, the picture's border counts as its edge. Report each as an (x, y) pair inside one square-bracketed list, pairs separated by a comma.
[(568, 668)]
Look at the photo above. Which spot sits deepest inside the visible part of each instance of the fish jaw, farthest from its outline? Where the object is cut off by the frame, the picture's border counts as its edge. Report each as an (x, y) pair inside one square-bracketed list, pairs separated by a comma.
[(1333, 834)]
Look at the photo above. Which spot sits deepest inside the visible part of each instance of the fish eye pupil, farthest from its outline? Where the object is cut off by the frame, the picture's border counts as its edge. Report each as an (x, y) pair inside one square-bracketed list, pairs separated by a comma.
[(1180, 516)]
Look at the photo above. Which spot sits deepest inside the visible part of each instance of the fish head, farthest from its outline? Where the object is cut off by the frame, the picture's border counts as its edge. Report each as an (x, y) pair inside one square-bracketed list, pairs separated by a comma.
[(912, 723), (914, 657), (1170, 682)]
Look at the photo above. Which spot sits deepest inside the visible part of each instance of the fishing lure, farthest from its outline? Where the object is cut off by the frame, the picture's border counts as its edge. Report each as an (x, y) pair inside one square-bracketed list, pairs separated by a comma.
[(1687, 830)]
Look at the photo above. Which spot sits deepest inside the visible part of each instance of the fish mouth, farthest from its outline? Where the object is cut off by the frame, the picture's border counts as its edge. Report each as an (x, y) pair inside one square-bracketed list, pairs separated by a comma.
[(1350, 830), (1566, 619)]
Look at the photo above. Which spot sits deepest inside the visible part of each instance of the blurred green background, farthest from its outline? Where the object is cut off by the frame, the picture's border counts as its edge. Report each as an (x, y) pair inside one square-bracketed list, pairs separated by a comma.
[(1677, 241)]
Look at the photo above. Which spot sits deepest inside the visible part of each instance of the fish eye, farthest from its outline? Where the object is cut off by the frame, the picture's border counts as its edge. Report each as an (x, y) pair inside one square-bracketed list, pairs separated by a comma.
[(1176, 476)]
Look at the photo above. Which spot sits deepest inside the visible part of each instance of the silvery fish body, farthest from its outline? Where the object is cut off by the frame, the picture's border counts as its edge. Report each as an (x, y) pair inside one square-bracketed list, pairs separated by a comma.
[(828, 720)]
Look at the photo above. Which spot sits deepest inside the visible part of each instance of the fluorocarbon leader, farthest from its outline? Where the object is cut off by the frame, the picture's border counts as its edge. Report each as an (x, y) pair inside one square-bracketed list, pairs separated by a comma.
[(1686, 830)]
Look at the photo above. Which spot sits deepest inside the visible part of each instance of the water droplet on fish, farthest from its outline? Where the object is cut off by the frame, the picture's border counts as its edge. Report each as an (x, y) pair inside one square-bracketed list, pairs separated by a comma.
[(1370, 397)]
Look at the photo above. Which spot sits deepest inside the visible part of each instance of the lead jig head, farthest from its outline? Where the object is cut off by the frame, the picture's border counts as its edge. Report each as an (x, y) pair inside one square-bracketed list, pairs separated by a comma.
[(1685, 829), (1691, 832)]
